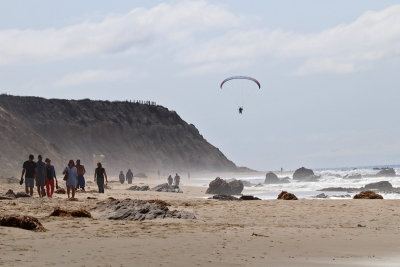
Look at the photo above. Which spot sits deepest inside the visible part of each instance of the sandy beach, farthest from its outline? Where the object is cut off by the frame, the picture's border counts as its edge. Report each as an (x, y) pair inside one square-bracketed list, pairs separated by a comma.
[(225, 233)]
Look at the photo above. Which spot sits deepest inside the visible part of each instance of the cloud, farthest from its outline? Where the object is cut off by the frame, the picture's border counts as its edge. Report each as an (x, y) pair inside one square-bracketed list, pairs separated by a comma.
[(140, 30), (201, 37), (93, 76)]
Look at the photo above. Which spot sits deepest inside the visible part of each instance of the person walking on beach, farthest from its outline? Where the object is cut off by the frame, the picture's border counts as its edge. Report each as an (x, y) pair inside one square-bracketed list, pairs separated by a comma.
[(30, 171), (177, 179), (81, 172), (169, 180), (71, 175), (41, 180), (50, 175), (121, 177), (129, 176), (99, 175)]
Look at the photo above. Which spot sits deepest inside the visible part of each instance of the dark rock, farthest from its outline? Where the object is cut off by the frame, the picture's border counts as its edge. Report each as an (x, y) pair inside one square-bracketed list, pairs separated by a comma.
[(221, 187), (167, 188), (322, 195), (272, 178), (340, 189), (304, 174), (10, 194), (244, 197), (138, 210), (389, 172), (368, 195), (236, 187), (24, 222), (342, 196), (286, 196), (352, 176), (223, 197), (22, 194), (382, 185), (139, 188)]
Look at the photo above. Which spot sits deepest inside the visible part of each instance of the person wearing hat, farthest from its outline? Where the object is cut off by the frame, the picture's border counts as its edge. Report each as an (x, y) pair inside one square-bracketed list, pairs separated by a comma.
[(30, 171)]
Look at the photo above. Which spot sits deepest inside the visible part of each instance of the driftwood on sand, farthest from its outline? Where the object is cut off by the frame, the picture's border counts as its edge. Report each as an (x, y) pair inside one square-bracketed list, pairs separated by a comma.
[(71, 213)]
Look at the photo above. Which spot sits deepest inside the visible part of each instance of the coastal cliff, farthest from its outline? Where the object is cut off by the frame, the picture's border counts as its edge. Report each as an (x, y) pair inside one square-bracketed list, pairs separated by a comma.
[(143, 137)]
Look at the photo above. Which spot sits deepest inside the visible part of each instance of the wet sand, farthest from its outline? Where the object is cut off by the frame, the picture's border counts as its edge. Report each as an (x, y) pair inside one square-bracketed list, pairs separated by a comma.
[(225, 233)]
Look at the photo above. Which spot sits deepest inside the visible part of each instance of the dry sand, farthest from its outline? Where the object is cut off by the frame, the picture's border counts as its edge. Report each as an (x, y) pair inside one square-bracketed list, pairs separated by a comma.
[(225, 233)]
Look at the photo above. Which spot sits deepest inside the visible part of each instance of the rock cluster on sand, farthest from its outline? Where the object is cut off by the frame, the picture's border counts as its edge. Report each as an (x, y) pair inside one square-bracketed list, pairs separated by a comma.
[(286, 196), (24, 222), (139, 188), (167, 188), (221, 187), (388, 172), (304, 174), (223, 197), (272, 178), (368, 195), (11, 195), (70, 213), (138, 210), (247, 197)]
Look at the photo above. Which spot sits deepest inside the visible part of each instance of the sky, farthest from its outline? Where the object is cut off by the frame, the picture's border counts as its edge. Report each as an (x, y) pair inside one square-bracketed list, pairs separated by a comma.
[(329, 70)]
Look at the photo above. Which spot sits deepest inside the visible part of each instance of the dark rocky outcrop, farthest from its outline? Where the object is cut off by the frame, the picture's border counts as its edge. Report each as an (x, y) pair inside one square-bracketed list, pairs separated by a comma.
[(322, 195), (382, 185), (305, 175), (167, 188), (352, 176), (286, 196), (368, 195), (247, 197), (223, 197), (139, 188), (388, 172), (24, 222), (272, 178), (221, 187), (130, 135), (138, 210)]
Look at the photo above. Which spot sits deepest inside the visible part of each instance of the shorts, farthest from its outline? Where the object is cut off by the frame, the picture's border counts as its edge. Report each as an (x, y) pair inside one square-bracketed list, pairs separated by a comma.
[(30, 182), (41, 181), (81, 181)]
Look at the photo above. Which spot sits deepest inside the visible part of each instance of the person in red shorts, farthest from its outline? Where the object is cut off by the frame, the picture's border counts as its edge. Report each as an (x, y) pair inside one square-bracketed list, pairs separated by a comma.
[(50, 175)]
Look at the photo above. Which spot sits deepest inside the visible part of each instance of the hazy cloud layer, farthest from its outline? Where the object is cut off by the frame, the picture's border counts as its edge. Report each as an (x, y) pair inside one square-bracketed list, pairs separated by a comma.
[(203, 37)]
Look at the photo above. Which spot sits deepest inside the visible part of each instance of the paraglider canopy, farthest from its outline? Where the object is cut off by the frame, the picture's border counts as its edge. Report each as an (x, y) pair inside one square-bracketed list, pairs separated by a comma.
[(240, 78)]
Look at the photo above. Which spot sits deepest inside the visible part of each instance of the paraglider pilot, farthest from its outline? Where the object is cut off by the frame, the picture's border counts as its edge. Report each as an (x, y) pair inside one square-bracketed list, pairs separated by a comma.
[(240, 110)]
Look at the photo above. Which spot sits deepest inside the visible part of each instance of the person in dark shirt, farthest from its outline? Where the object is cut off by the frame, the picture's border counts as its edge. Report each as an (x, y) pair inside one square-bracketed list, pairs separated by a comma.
[(99, 175), (49, 175), (170, 180), (129, 176), (30, 171), (40, 179)]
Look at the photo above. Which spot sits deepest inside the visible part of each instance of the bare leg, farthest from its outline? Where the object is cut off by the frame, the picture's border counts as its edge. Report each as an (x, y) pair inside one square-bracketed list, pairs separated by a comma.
[(68, 189), (31, 191), (73, 192), (27, 189)]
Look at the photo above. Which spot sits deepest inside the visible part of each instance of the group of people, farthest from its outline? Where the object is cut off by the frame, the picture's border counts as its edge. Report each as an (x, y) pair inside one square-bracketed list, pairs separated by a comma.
[(128, 177), (176, 180), (43, 174)]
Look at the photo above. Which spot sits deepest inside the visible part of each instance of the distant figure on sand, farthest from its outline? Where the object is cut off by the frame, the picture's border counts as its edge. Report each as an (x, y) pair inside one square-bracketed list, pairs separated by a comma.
[(72, 173), (30, 171), (240, 110), (177, 179), (50, 175), (41, 180), (129, 176), (99, 175), (81, 172), (121, 177), (170, 180)]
